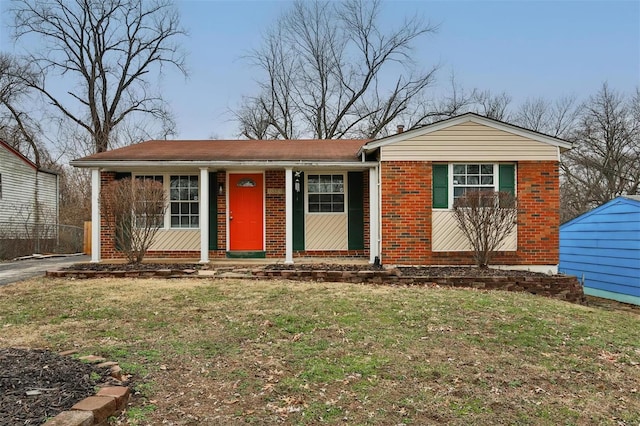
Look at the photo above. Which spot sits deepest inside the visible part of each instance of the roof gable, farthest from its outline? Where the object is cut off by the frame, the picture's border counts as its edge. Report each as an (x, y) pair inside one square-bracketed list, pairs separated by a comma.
[(633, 201), (466, 118), (16, 153)]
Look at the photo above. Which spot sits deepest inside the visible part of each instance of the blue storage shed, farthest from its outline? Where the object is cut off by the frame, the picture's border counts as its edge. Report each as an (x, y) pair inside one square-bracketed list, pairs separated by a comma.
[(603, 248)]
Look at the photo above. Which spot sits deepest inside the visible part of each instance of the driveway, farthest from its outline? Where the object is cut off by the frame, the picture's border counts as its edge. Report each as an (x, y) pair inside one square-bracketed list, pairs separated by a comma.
[(19, 270)]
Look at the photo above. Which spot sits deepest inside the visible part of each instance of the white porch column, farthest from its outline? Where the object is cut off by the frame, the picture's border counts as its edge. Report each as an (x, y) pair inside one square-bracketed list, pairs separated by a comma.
[(204, 215), (288, 193), (374, 215), (95, 215)]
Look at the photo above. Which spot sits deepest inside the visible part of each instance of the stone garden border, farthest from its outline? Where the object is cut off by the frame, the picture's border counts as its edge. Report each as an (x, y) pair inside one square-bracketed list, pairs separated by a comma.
[(563, 287)]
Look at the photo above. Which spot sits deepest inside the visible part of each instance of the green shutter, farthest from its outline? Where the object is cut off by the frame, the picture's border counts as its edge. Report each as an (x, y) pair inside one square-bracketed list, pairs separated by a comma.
[(120, 227), (440, 186), (355, 182), (213, 211), (507, 178), (298, 211), (122, 175)]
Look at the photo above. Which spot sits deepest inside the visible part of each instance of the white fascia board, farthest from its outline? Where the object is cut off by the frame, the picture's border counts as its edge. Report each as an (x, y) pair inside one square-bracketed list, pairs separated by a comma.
[(213, 165), (430, 128)]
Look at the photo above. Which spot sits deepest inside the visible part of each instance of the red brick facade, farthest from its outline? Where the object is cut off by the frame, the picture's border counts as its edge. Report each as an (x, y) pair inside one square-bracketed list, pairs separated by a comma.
[(107, 236), (275, 213), (406, 212), (406, 216)]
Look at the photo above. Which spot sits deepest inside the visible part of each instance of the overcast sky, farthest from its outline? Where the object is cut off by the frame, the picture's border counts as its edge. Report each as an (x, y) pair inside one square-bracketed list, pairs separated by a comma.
[(526, 48)]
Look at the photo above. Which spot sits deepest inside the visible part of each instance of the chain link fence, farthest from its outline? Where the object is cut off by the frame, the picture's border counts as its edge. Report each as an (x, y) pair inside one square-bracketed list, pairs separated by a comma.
[(26, 238)]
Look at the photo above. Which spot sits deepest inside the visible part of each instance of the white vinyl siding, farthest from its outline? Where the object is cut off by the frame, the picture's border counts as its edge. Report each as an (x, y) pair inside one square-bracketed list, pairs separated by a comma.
[(326, 232), (447, 236), (19, 191), (177, 240), (469, 142)]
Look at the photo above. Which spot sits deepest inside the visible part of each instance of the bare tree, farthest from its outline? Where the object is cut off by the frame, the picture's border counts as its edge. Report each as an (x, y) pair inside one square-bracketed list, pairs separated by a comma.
[(323, 65), (557, 118), (429, 107), (16, 126), (605, 160), (75, 195), (491, 105), (110, 48), (486, 218), (134, 209)]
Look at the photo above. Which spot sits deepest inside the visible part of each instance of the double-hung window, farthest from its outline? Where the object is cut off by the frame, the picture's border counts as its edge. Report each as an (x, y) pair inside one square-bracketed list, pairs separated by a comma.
[(326, 193), (184, 205), (149, 211), (472, 178), (453, 180)]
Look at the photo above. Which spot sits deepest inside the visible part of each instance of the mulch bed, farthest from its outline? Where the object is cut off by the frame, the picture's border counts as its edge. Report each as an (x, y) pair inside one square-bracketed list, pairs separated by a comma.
[(111, 267), (458, 271), (408, 271), (411, 271), (36, 384)]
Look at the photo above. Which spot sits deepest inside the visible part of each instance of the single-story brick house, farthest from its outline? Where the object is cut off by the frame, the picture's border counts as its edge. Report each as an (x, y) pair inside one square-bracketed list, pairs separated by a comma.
[(386, 200)]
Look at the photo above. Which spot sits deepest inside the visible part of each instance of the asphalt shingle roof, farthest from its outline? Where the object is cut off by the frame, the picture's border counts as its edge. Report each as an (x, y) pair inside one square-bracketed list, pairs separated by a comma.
[(235, 150)]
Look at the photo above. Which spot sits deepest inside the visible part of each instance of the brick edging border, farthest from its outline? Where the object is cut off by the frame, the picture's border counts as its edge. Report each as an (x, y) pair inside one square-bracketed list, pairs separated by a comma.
[(95, 410), (563, 287)]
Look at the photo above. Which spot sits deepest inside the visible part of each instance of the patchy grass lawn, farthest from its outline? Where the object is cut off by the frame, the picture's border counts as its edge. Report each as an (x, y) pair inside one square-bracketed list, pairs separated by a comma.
[(268, 352)]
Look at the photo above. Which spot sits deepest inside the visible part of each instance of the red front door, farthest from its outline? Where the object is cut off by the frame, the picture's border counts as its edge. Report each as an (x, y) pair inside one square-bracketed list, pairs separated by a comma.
[(246, 212)]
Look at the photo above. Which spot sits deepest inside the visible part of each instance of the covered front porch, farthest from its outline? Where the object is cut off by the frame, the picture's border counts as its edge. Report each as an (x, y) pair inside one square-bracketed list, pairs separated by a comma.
[(281, 214)]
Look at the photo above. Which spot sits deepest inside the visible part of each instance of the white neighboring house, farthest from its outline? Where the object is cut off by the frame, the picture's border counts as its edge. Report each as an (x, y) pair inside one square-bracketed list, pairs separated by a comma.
[(28, 195)]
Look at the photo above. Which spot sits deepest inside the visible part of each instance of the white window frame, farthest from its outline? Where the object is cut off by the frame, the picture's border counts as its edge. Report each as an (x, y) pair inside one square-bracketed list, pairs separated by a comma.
[(452, 185), (197, 200), (308, 193), (152, 177), (166, 179)]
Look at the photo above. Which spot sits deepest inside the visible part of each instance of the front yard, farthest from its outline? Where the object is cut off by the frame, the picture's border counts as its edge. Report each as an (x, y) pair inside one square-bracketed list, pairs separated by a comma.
[(206, 352)]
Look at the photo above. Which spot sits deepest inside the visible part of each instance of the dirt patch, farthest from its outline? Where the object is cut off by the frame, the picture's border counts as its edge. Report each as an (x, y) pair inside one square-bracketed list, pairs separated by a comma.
[(612, 305), (37, 384)]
